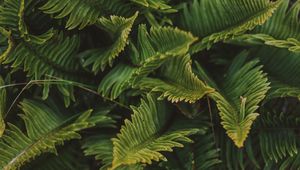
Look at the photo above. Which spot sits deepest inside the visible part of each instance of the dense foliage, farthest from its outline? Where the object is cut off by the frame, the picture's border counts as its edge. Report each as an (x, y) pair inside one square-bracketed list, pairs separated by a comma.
[(149, 84)]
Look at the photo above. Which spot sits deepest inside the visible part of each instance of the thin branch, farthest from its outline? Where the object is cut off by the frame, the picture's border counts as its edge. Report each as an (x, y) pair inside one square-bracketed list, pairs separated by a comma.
[(56, 80)]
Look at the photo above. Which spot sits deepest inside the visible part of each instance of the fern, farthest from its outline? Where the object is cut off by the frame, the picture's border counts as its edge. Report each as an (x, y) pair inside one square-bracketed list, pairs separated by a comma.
[(281, 30), (284, 76), (17, 147), (152, 52), (188, 88), (205, 154), (203, 18), (114, 87), (12, 18), (131, 149), (81, 13), (159, 45), (211, 84), (237, 104), (54, 58), (102, 57)]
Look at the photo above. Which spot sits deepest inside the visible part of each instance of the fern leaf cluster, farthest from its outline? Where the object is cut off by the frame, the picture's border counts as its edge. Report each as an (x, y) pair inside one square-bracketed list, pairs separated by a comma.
[(149, 84)]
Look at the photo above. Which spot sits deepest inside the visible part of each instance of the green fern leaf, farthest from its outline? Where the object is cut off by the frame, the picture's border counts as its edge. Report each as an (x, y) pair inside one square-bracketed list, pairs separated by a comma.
[(275, 145), (244, 88), (206, 155), (159, 45), (218, 20), (119, 28), (116, 81), (281, 30), (81, 13), (54, 58), (153, 49), (18, 148), (141, 139), (37, 60), (179, 83), (280, 90), (282, 67), (12, 18)]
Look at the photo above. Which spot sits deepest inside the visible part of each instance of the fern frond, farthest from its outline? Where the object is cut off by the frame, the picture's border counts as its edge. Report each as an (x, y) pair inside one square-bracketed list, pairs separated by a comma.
[(11, 16), (153, 49), (119, 28), (54, 58), (116, 81), (82, 13), (179, 83), (282, 67), (289, 163), (206, 155), (2, 106), (12, 19), (281, 30), (141, 140), (159, 45), (171, 41), (278, 143), (291, 44), (18, 147), (280, 90), (237, 100), (37, 59), (218, 20)]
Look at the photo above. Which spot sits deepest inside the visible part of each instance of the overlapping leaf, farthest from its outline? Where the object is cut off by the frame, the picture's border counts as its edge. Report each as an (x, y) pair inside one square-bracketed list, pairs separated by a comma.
[(119, 28), (281, 30), (237, 100), (218, 20), (140, 142), (153, 49), (18, 147), (179, 83)]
